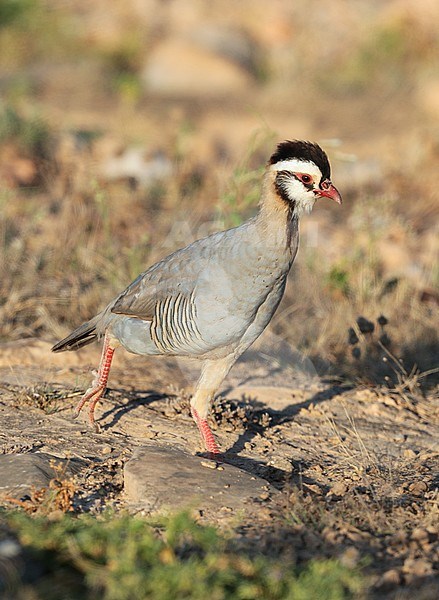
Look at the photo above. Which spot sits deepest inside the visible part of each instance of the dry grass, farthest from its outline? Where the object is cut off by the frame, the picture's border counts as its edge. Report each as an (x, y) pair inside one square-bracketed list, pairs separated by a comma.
[(45, 397), (54, 500), (70, 239), (72, 243)]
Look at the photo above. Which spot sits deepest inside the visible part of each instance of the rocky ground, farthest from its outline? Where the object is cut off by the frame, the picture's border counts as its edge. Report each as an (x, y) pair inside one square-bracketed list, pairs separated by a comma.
[(127, 131), (314, 469)]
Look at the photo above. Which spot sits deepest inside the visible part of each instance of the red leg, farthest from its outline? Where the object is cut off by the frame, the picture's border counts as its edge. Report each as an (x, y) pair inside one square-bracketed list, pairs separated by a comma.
[(97, 389), (206, 433)]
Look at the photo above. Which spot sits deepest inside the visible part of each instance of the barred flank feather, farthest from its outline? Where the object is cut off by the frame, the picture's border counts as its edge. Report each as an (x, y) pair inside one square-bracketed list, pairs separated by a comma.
[(174, 324)]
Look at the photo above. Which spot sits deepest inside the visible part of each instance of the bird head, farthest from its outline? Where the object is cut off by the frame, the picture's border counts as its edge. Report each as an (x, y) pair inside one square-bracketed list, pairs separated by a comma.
[(301, 174)]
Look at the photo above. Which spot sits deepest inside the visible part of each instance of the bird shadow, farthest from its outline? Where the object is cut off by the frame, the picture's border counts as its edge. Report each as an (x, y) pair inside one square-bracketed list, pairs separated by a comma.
[(135, 399), (279, 478)]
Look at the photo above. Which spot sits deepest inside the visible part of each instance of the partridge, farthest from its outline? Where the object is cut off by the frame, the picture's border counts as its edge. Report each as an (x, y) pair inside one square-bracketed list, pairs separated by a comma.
[(213, 298)]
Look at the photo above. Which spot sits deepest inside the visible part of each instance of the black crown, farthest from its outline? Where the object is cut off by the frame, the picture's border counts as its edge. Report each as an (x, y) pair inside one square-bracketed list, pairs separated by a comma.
[(302, 151)]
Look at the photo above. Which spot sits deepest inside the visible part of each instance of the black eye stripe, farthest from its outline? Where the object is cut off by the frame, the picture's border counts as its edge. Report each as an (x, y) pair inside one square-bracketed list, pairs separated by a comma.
[(309, 186), (279, 183), (283, 176)]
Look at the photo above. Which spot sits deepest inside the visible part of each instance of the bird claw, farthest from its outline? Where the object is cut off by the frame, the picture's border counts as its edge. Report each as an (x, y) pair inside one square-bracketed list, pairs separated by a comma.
[(90, 395)]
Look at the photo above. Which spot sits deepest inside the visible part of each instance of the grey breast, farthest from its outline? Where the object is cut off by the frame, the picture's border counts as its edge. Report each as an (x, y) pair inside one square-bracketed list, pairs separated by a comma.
[(201, 298)]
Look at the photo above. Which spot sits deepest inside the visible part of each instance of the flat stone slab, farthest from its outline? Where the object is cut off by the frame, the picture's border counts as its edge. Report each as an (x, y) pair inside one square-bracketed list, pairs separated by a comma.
[(20, 472), (160, 478)]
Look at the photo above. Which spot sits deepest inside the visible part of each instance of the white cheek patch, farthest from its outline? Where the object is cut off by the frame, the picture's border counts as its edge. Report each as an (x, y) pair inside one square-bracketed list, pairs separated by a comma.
[(294, 165), (302, 198), (293, 188)]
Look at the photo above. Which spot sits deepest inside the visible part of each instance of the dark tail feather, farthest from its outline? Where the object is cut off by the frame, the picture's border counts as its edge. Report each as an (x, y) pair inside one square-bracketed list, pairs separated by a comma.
[(83, 335)]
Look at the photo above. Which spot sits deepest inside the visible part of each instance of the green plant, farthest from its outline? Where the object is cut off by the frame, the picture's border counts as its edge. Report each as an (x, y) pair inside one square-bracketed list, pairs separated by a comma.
[(122, 62), (121, 557), (14, 11), (31, 30), (31, 134), (338, 280)]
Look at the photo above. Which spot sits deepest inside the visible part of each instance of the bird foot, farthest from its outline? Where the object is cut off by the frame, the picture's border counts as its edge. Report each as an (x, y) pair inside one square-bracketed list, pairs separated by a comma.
[(97, 389), (93, 393), (206, 433)]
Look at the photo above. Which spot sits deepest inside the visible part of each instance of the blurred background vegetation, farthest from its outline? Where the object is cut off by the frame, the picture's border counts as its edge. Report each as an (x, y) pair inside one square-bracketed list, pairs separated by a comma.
[(130, 128)]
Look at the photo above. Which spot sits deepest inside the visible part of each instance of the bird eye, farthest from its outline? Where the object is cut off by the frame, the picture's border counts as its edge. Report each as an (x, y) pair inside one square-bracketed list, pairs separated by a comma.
[(305, 178)]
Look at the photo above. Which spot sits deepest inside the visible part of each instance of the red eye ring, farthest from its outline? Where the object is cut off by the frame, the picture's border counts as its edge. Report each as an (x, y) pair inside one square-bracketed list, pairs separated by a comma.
[(304, 178)]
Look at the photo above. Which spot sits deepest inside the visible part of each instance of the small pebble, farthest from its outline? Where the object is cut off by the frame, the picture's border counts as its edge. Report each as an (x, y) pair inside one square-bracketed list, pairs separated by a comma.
[(338, 489), (390, 579), (419, 567), (418, 488), (419, 535), (9, 548), (350, 557), (212, 465)]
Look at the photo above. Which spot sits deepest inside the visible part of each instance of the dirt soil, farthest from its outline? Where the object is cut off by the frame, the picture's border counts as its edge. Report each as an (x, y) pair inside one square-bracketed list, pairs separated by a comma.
[(356, 468)]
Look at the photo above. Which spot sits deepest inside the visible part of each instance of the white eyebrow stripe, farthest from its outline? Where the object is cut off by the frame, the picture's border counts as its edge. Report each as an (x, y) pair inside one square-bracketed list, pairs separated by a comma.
[(296, 165)]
